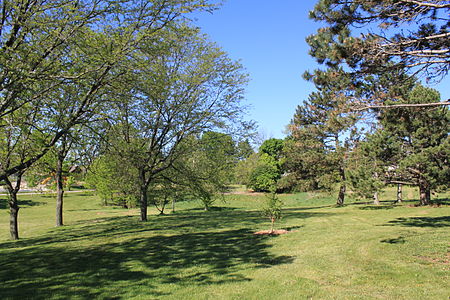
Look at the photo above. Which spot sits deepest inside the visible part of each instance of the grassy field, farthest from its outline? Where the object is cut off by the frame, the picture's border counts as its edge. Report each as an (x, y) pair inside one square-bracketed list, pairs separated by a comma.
[(358, 251)]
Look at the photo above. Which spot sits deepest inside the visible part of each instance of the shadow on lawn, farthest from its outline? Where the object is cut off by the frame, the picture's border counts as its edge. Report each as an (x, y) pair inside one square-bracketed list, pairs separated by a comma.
[(376, 207), (421, 222), (136, 265), (22, 203)]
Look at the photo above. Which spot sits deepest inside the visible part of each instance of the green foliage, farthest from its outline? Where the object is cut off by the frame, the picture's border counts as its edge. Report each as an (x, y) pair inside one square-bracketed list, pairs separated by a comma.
[(244, 169), (265, 175), (265, 168), (114, 181), (70, 181), (272, 147), (210, 168), (244, 150)]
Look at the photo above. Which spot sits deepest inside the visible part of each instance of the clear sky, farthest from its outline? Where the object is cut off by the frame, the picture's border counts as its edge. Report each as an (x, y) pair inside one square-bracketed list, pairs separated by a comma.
[(269, 39)]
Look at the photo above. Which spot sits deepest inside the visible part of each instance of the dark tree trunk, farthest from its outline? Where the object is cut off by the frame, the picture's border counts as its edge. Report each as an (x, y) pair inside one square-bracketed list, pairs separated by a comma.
[(13, 207), (59, 190), (14, 213), (399, 193), (341, 195), (424, 192), (342, 189), (143, 201)]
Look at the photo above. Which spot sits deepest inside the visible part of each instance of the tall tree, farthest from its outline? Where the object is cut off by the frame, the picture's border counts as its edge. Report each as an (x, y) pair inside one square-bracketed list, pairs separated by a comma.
[(423, 143), (318, 145), (189, 87), (46, 45)]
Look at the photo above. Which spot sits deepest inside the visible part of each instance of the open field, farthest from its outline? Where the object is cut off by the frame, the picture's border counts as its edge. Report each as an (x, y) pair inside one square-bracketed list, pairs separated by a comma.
[(357, 251)]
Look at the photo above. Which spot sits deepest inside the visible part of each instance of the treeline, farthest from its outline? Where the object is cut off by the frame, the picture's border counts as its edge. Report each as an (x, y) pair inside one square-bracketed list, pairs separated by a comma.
[(126, 83), (370, 122), (327, 151)]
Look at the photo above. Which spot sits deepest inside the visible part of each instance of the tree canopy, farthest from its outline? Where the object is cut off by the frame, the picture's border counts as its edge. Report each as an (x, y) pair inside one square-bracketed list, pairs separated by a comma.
[(362, 41)]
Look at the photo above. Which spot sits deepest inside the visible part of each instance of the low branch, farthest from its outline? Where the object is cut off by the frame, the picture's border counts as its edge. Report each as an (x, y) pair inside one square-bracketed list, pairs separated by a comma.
[(427, 4), (402, 105)]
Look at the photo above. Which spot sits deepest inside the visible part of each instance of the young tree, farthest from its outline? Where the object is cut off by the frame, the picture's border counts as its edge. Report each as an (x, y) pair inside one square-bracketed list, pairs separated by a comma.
[(272, 209)]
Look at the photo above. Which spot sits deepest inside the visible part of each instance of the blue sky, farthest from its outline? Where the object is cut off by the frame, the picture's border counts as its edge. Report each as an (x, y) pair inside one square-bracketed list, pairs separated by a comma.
[(268, 37)]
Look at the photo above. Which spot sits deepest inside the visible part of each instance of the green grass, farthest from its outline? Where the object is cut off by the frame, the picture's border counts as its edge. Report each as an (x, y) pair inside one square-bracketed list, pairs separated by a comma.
[(358, 251)]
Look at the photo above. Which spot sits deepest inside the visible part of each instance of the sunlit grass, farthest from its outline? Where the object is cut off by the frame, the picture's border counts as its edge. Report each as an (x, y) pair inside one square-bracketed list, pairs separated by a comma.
[(359, 251)]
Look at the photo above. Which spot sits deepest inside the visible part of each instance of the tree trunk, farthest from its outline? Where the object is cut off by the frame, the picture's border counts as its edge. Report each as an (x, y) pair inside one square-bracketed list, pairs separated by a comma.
[(342, 189), (424, 192), (399, 193), (59, 190), (341, 196), (13, 207), (143, 198), (143, 202), (173, 204), (376, 200), (14, 213)]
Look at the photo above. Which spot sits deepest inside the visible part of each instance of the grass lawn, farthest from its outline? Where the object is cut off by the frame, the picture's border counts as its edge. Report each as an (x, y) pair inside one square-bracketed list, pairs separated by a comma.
[(358, 251)]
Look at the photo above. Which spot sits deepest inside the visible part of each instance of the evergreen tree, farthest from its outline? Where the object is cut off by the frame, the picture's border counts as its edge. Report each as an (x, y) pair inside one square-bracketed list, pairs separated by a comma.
[(422, 136)]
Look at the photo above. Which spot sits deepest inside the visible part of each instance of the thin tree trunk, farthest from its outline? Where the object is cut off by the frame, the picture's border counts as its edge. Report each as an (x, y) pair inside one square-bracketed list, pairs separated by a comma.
[(343, 188), (399, 193), (376, 200), (173, 204), (341, 195), (59, 189)]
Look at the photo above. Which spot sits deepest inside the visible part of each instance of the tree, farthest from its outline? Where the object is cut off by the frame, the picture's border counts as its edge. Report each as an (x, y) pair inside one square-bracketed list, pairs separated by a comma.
[(421, 136), (114, 180), (17, 144), (188, 87), (209, 169), (45, 46), (244, 150), (380, 48), (268, 171), (272, 209), (319, 142), (368, 163)]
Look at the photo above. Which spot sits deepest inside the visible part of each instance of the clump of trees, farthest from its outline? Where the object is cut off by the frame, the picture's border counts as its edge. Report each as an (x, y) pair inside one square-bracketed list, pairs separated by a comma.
[(370, 123), (134, 74)]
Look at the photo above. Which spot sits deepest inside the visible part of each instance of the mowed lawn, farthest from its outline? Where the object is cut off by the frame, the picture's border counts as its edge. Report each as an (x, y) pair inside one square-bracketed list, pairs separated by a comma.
[(358, 251)]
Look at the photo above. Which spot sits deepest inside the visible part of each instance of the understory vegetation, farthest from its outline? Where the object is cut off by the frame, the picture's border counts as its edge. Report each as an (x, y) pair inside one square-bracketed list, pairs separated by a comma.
[(350, 252)]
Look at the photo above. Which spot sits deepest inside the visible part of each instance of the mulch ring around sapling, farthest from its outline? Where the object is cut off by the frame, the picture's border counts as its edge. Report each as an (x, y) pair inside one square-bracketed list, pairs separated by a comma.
[(272, 232)]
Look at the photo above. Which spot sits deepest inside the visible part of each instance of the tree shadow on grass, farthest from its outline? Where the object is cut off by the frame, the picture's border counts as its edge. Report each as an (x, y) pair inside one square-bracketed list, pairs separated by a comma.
[(399, 240), (421, 222), (376, 207), (22, 203), (139, 265)]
